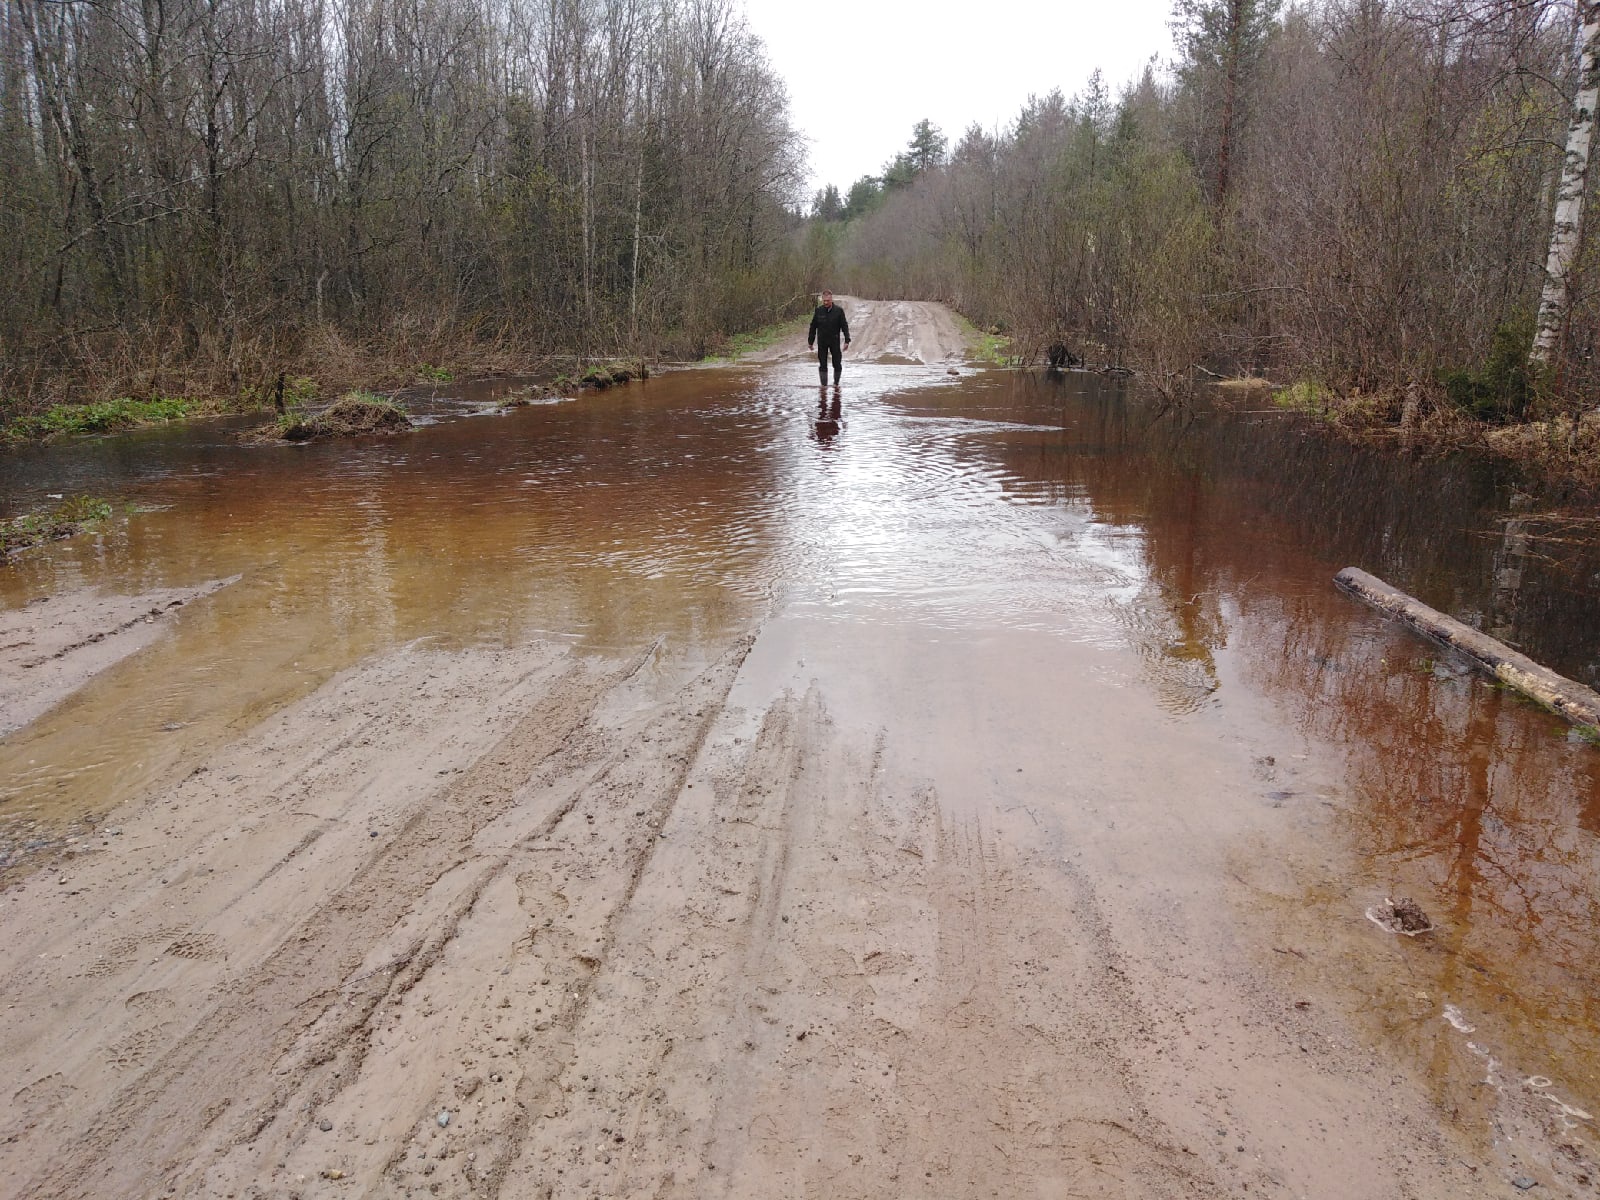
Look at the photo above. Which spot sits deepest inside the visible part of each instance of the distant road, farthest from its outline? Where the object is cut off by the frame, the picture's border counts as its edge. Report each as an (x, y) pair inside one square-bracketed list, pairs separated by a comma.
[(904, 331)]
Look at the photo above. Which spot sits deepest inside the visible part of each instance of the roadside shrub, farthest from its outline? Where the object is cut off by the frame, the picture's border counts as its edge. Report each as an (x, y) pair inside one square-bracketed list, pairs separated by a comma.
[(1501, 390)]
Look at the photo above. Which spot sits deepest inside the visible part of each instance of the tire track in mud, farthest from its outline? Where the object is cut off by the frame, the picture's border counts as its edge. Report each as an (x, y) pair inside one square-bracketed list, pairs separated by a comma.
[(630, 1118), (293, 1016), (827, 989), (213, 871), (480, 1021)]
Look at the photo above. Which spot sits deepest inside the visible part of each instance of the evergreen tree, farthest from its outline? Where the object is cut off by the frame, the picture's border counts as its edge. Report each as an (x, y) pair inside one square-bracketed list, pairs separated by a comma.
[(1221, 43), (828, 205)]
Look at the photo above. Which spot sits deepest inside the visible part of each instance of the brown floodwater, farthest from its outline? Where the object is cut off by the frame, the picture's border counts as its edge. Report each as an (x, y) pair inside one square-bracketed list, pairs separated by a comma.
[(1196, 549)]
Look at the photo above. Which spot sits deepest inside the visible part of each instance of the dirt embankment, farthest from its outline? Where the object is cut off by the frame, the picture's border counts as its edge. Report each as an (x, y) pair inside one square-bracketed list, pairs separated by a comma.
[(52, 647)]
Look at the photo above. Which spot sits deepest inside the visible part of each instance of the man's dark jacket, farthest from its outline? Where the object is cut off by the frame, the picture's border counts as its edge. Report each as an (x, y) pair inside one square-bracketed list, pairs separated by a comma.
[(828, 324)]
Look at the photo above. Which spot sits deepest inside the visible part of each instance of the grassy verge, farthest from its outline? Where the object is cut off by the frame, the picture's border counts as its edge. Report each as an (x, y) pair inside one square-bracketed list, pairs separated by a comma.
[(985, 346), (72, 515), (104, 416), (113, 416), (1305, 396), (740, 344)]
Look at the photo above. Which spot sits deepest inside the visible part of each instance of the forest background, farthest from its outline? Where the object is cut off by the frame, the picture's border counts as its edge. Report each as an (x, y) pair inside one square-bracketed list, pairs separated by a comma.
[(198, 196)]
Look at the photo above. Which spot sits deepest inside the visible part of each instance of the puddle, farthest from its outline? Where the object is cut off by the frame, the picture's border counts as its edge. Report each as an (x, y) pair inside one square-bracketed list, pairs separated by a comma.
[(1195, 552)]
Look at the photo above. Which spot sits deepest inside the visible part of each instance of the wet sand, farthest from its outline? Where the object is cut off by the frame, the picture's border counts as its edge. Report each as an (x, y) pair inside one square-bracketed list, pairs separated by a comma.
[(736, 941), (810, 906), (53, 646)]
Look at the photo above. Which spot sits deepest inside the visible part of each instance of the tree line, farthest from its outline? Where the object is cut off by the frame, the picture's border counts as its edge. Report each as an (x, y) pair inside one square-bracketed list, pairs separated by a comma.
[(218, 189), (1362, 192)]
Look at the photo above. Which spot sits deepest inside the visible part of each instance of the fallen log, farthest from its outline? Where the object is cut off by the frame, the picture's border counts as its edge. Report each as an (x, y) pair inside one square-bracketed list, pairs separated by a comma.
[(1571, 700)]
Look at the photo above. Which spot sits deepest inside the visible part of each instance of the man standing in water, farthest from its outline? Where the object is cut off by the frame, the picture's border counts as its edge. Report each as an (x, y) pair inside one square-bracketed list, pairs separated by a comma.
[(828, 324)]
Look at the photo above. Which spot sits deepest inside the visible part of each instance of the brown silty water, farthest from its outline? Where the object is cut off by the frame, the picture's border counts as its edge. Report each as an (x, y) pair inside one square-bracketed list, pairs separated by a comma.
[(1186, 556)]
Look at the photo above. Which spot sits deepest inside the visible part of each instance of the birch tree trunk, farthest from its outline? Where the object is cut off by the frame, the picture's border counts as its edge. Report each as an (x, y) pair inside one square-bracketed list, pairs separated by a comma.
[(633, 282), (1568, 229)]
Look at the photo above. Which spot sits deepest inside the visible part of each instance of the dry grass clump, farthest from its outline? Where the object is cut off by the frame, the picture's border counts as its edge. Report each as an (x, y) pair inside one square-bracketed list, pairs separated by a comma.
[(1560, 450), (353, 415)]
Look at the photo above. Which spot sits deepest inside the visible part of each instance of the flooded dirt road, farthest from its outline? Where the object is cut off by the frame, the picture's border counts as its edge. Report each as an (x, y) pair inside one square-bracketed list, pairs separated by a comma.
[(971, 787)]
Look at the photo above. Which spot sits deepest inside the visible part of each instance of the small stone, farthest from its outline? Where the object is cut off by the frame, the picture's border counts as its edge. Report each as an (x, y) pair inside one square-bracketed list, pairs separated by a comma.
[(333, 1173), (1522, 1183), (1408, 916), (444, 1118), (325, 1125)]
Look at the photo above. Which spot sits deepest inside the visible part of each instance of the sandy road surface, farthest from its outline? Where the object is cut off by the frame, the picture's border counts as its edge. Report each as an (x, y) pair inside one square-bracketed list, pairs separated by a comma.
[(822, 911), (887, 331), (524, 924)]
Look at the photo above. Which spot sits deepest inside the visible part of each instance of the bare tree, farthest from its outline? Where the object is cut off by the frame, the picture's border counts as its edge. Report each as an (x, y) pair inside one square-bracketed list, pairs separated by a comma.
[(211, 187)]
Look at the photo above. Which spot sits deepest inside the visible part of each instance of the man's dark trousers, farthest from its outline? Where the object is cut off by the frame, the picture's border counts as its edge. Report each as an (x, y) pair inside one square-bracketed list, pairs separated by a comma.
[(829, 326), (823, 350)]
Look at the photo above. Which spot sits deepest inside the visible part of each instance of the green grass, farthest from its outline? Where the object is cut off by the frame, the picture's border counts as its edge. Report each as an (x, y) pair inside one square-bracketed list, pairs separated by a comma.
[(740, 344), (104, 416), (68, 517), (435, 374), (983, 346), (1304, 396), (289, 418)]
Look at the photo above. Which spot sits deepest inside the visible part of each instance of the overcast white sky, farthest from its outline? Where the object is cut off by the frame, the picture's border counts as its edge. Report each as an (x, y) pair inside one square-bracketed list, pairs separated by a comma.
[(861, 73)]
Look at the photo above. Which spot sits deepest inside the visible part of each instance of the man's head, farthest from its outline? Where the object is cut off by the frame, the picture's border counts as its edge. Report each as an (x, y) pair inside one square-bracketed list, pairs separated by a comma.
[(827, 299)]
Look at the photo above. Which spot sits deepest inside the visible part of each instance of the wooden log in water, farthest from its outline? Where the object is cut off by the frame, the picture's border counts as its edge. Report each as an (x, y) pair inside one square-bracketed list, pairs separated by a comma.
[(1572, 700)]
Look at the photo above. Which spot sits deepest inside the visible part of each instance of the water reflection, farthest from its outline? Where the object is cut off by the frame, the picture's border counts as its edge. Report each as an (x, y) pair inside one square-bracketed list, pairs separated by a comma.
[(1461, 795), (1456, 792), (829, 410)]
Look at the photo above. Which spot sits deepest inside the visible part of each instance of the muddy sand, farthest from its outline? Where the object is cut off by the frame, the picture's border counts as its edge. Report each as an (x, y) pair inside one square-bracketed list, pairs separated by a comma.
[(820, 911), (52, 647)]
